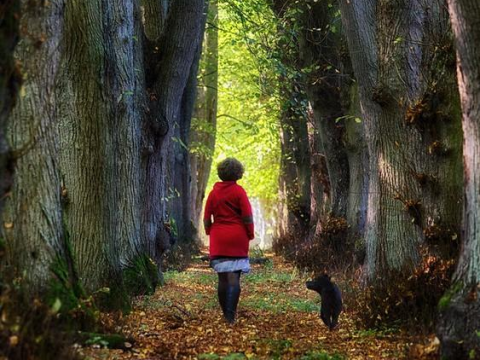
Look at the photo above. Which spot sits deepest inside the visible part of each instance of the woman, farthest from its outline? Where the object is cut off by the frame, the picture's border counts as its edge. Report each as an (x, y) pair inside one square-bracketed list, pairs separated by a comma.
[(230, 233)]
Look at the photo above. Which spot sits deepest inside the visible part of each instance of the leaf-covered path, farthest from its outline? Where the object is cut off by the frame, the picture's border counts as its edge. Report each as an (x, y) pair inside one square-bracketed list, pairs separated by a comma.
[(278, 319)]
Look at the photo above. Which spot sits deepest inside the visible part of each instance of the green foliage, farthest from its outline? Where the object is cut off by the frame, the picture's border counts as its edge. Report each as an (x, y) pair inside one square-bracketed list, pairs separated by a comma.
[(141, 277), (248, 102), (62, 289)]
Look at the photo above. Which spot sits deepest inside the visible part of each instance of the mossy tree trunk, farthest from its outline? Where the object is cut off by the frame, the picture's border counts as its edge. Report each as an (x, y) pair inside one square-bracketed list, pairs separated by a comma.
[(169, 68), (106, 84), (320, 50), (400, 56), (204, 122), (101, 110), (10, 79), (459, 309), (181, 172), (32, 220), (295, 162), (295, 171)]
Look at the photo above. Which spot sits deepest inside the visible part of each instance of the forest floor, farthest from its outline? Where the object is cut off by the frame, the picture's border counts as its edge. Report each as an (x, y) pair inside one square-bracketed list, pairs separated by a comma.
[(277, 319)]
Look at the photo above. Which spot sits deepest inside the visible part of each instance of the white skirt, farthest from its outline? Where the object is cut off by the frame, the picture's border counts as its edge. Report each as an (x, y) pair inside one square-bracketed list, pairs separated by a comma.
[(221, 265)]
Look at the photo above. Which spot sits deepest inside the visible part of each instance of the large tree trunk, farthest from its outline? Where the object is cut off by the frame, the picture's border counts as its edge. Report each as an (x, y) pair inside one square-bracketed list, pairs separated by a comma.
[(180, 171), (103, 92), (295, 171), (321, 55), (356, 148), (100, 125), (405, 104), (167, 78), (9, 84), (204, 122), (32, 222), (460, 307)]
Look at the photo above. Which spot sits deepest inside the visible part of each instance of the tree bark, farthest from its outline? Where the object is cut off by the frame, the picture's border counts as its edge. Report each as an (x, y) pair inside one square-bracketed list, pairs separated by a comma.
[(180, 171), (101, 139), (321, 54), (32, 220), (204, 122), (400, 89), (99, 101), (295, 162), (167, 76), (459, 309), (295, 172), (10, 80)]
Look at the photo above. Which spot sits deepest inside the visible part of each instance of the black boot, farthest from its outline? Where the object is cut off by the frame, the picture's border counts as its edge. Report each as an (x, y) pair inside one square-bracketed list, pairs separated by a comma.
[(231, 302)]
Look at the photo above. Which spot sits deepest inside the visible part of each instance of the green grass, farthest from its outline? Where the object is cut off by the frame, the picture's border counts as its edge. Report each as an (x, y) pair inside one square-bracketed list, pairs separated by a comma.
[(233, 356), (316, 355), (270, 275), (278, 303), (185, 277)]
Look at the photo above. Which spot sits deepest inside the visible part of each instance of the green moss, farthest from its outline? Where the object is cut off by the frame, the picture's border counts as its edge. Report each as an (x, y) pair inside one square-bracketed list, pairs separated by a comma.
[(116, 297), (141, 277), (111, 341), (446, 299)]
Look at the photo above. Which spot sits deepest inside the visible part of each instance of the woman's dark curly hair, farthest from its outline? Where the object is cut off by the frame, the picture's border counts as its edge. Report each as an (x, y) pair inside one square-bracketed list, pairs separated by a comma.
[(230, 169)]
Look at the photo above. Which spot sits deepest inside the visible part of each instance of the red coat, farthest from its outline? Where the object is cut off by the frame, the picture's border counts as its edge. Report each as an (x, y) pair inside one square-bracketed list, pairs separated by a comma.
[(232, 226)]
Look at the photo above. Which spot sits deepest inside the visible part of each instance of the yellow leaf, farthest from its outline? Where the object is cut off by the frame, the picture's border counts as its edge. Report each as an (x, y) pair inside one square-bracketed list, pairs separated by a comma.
[(13, 340)]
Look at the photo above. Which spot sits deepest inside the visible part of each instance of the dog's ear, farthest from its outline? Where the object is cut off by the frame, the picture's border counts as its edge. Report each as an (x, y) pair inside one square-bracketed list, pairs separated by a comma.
[(325, 273)]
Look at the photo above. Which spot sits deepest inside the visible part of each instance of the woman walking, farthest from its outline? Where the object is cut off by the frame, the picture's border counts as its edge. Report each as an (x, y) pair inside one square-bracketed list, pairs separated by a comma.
[(230, 233)]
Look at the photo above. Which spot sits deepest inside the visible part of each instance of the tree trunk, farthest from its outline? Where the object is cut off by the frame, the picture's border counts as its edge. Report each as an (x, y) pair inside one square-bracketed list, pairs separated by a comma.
[(460, 306), (204, 122), (99, 100), (321, 54), (180, 174), (168, 72), (100, 131), (295, 171), (356, 148), (405, 108), (32, 221), (9, 84)]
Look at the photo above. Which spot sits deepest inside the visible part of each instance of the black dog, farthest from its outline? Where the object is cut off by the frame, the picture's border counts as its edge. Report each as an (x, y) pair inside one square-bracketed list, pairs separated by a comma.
[(331, 299)]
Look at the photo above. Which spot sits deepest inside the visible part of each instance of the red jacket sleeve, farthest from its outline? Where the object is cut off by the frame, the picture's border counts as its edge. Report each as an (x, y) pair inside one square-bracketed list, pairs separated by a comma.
[(207, 214), (247, 215)]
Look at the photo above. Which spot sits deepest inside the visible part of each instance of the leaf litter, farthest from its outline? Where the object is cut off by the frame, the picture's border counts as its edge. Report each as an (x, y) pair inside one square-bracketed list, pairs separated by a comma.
[(277, 319)]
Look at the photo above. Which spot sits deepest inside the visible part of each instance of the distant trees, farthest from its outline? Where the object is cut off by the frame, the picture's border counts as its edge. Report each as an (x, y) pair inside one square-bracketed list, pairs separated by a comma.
[(204, 122)]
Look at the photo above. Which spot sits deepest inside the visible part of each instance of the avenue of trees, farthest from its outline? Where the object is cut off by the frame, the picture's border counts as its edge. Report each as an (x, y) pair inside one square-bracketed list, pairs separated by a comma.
[(358, 123)]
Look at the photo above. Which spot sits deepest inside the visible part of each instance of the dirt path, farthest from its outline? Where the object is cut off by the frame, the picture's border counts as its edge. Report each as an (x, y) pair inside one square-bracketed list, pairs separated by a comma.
[(278, 319)]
